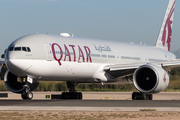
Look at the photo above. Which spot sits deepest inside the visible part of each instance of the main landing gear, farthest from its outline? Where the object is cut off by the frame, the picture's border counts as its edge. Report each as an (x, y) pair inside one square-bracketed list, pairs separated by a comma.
[(72, 94), (26, 93), (141, 96)]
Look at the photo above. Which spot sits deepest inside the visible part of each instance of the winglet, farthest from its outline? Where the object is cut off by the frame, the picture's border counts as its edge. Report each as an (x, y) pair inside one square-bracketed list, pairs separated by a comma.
[(164, 39)]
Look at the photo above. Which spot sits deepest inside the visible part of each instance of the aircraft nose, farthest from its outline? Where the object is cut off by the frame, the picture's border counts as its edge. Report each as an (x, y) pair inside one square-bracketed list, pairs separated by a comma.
[(13, 63), (15, 66), (9, 55)]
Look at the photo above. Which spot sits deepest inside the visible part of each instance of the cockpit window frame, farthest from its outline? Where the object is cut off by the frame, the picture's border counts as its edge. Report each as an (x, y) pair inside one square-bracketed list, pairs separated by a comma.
[(18, 49), (25, 49), (28, 49), (11, 49)]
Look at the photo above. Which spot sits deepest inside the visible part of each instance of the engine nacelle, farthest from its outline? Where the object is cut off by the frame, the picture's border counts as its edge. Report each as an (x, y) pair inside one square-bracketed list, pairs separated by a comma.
[(11, 82), (150, 79)]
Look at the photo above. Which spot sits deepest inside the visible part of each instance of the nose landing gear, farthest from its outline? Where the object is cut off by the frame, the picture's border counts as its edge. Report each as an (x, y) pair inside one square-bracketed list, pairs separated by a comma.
[(26, 94)]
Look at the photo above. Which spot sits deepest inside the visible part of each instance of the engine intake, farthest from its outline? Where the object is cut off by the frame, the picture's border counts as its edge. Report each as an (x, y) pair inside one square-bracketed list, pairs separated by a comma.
[(150, 78), (11, 82)]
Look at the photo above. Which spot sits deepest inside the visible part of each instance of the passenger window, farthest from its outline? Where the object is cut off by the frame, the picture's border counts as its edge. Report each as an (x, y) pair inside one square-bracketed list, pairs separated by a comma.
[(11, 49), (29, 50), (24, 49), (17, 49)]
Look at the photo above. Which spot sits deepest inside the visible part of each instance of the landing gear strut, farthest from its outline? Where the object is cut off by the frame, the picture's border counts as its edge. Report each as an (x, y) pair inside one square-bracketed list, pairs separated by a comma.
[(72, 94), (26, 94), (141, 96)]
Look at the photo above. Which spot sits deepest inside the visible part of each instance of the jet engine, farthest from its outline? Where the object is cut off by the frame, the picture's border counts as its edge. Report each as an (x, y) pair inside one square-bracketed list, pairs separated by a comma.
[(150, 79), (12, 83)]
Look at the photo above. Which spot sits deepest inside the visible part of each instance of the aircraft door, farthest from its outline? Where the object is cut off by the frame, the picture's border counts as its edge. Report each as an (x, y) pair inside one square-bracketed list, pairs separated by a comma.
[(48, 52), (145, 57), (117, 57)]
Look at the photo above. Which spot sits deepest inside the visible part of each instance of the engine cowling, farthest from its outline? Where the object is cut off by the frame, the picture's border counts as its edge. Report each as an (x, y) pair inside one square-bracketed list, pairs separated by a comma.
[(150, 79), (11, 82)]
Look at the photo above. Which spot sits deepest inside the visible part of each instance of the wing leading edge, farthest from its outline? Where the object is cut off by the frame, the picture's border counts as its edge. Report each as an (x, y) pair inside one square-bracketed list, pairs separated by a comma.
[(120, 70), (2, 61)]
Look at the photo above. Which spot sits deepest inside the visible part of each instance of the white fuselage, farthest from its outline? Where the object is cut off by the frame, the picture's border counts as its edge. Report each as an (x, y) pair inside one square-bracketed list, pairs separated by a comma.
[(60, 58)]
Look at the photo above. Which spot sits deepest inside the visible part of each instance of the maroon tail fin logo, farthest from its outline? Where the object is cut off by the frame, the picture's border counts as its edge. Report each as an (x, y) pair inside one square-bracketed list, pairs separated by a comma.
[(169, 28)]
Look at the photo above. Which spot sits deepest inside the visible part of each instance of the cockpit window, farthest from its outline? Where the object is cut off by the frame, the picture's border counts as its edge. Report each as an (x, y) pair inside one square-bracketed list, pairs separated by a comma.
[(29, 50), (11, 49), (24, 49), (17, 49)]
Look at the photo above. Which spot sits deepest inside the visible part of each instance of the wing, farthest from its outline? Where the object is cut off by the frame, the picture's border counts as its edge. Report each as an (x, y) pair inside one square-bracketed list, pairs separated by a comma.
[(169, 65), (120, 70), (2, 61)]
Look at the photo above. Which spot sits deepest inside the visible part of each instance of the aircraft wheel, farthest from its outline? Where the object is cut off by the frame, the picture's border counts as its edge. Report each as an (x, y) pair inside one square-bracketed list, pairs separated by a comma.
[(29, 95), (144, 96), (141, 96), (63, 95), (73, 95), (150, 96), (135, 96), (23, 95), (80, 95)]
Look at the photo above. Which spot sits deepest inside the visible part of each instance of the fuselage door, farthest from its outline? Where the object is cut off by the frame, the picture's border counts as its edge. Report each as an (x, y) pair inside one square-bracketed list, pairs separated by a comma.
[(117, 57), (145, 59), (48, 52)]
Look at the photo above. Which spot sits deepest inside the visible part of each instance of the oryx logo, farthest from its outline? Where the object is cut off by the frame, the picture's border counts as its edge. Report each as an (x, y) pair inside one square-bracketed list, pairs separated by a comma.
[(167, 32), (164, 79)]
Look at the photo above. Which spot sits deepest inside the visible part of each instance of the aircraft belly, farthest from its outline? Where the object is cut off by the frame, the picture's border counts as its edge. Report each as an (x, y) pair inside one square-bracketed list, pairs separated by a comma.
[(51, 70)]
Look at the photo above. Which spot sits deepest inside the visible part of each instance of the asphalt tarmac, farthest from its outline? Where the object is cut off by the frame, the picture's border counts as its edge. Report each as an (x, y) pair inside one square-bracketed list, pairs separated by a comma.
[(97, 95), (93, 101)]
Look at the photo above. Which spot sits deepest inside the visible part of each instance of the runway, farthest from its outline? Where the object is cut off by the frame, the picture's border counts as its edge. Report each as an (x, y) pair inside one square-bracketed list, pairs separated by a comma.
[(91, 103), (104, 102), (98, 95)]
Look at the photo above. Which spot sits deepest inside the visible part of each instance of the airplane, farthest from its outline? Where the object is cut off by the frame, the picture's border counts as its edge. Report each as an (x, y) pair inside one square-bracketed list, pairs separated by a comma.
[(44, 57)]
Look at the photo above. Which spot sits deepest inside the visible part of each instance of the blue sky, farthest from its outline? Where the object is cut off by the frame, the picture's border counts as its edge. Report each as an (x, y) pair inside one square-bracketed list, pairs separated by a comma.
[(119, 20)]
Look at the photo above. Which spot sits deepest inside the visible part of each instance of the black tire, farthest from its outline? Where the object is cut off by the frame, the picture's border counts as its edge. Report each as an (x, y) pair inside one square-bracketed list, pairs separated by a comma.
[(134, 96), (71, 95), (76, 95), (80, 95), (67, 95), (23, 95), (141, 96), (150, 96), (29, 95), (144, 96), (63, 95)]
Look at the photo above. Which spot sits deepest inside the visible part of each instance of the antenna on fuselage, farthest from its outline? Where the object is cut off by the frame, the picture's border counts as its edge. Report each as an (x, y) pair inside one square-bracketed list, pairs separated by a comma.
[(64, 34)]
